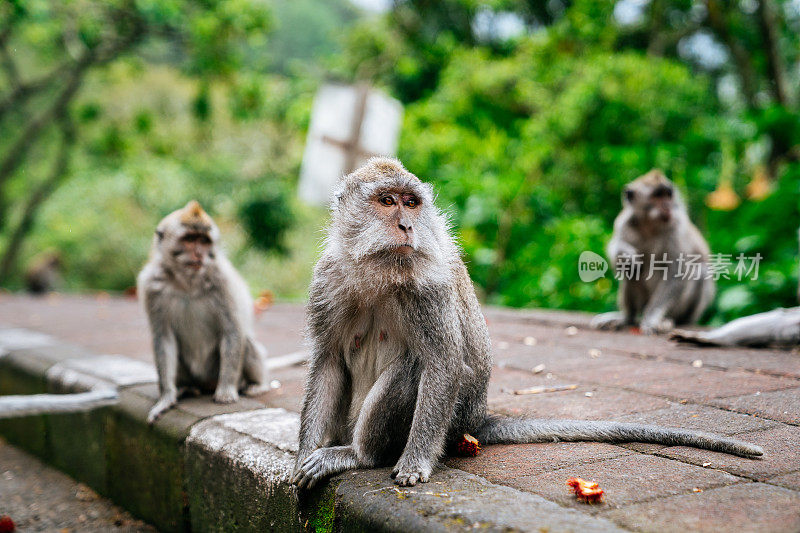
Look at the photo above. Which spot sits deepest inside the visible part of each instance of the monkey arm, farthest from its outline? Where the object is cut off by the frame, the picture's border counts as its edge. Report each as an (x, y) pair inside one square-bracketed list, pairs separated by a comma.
[(655, 316), (436, 398), (231, 354), (323, 400), (165, 349)]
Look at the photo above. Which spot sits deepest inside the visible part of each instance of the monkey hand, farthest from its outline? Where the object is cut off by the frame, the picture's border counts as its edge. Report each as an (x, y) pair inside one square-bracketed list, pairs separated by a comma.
[(656, 325), (406, 472), (226, 394), (165, 403)]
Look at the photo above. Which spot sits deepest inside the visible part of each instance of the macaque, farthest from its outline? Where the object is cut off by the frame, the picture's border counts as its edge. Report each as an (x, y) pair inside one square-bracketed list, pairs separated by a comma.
[(400, 352), (661, 257), (44, 274), (200, 313)]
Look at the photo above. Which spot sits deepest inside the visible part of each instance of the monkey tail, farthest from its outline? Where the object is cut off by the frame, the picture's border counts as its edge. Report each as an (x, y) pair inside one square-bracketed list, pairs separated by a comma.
[(498, 429), (36, 404)]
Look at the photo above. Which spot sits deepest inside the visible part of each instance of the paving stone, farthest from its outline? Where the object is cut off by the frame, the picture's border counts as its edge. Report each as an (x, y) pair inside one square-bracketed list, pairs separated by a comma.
[(703, 384), (452, 501), (555, 358), (289, 395), (700, 417), (506, 380), (781, 454), (790, 481), (745, 508), (781, 405), (503, 463), (604, 402), (768, 361), (627, 371), (628, 479)]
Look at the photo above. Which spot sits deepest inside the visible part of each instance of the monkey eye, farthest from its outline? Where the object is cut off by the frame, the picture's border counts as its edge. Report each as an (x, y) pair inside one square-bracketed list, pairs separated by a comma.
[(662, 192), (629, 195), (386, 200), (411, 201)]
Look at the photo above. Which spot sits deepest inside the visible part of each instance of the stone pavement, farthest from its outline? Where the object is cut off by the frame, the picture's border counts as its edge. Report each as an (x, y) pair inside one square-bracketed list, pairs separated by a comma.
[(40, 498), (754, 394)]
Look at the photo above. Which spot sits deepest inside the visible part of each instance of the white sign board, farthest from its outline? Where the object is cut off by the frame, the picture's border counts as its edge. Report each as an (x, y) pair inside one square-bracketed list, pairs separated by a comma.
[(349, 124)]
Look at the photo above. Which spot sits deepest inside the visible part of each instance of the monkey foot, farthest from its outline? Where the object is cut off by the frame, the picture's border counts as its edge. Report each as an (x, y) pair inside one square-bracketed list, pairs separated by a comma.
[(656, 327), (226, 396), (164, 404), (408, 477), (321, 463)]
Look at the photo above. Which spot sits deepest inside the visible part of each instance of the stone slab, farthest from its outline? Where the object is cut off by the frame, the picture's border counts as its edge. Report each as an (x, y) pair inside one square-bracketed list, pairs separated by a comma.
[(744, 507)]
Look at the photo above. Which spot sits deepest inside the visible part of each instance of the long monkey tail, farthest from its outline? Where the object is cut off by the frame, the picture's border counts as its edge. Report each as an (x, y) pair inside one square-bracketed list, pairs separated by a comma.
[(498, 429), (36, 404)]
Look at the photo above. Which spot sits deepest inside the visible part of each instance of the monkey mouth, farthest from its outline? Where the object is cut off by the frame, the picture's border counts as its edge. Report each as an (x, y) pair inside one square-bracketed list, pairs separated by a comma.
[(405, 249), (194, 265)]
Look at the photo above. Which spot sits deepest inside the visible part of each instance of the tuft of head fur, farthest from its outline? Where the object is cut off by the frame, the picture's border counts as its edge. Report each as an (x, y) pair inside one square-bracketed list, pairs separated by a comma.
[(193, 216), (653, 178)]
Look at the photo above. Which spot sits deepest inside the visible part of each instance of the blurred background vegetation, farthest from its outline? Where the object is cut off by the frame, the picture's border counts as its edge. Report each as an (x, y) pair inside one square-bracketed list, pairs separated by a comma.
[(529, 117)]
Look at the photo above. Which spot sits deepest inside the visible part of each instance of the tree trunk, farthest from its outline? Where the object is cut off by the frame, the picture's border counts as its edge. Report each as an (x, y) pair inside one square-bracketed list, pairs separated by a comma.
[(741, 57), (35, 200), (768, 23)]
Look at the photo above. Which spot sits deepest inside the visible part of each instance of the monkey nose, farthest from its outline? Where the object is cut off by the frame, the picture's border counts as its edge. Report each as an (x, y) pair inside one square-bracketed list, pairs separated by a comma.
[(405, 227)]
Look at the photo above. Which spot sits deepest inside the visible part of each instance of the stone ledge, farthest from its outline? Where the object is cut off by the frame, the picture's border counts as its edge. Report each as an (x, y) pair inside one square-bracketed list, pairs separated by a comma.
[(206, 467)]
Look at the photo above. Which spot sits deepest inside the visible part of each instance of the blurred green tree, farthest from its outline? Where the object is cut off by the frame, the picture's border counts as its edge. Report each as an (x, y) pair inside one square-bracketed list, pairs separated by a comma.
[(60, 44)]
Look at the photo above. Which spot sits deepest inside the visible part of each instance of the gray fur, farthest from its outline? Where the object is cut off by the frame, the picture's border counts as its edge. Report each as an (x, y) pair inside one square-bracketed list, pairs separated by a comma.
[(657, 304), (400, 353), (779, 327), (201, 320)]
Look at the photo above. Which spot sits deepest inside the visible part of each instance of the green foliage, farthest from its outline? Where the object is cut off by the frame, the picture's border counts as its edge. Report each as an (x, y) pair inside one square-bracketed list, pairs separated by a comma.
[(267, 220)]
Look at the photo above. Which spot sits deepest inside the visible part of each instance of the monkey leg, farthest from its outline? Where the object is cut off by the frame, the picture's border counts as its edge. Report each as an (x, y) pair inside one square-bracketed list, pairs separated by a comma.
[(380, 433), (254, 372)]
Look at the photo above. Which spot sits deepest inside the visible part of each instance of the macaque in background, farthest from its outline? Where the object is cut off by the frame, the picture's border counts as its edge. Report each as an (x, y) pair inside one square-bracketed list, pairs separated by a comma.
[(780, 327), (400, 353), (200, 313), (44, 273), (654, 238)]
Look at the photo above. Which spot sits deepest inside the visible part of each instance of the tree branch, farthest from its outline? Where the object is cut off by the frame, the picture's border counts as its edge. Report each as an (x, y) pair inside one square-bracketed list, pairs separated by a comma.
[(767, 21), (35, 200), (744, 65)]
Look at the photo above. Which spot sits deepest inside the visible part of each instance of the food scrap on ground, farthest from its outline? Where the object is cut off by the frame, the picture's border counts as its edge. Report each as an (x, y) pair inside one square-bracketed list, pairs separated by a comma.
[(468, 446), (586, 491), (7, 525)]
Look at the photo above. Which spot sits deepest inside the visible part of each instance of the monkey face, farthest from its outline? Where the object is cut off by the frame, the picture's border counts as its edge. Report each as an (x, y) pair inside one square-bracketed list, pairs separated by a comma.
[(399, 212), (653, 199), (186, 239), (193, 250)]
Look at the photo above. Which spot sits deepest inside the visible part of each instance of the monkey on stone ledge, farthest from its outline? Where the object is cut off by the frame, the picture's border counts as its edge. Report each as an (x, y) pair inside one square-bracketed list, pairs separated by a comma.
[(401, 355), (200, 313)]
